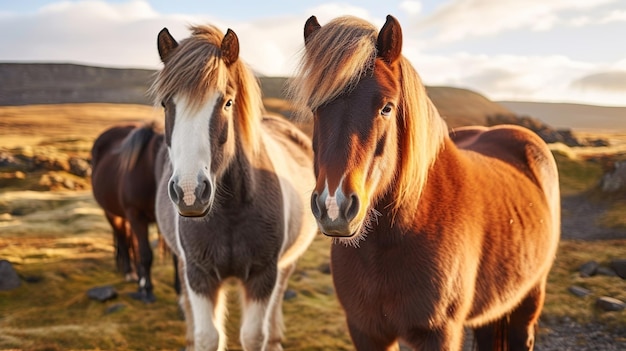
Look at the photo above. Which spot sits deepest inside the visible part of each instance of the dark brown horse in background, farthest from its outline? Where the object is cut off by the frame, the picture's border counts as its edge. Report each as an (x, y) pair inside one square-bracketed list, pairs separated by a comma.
[(124, 185), (433, 232)]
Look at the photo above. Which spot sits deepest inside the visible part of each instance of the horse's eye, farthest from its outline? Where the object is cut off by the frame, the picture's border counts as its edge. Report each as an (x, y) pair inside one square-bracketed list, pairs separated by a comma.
[(163, 104), (228, 104), (386, 111)]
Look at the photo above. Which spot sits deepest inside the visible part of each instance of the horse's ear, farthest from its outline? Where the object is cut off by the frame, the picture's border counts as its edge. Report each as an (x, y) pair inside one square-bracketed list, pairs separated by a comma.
[(166, 44), (230, 47), (389, 42), (310, 27)]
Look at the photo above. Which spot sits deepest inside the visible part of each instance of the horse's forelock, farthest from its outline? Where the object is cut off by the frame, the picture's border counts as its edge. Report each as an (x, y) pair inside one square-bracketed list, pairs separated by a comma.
[(195, 70), (334, 60)]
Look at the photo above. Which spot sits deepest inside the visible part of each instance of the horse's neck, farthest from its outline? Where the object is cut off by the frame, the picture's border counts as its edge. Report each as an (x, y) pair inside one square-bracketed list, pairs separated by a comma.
[(443, 181), (240, 179)]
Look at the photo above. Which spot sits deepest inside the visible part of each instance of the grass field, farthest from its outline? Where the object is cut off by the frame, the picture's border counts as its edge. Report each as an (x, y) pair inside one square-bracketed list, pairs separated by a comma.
[(61, 245)]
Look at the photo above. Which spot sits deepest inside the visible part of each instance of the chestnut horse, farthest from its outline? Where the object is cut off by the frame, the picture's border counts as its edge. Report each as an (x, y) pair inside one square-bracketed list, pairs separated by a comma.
[(433, 232), (233, 190), (124, 185)]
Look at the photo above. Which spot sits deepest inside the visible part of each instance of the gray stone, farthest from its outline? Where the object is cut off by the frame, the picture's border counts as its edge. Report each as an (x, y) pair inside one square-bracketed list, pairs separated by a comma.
[(9, 279), (589, 269), (290, 295), (610, 304), (619, 267), (324, 268), (606, 271), (102, 293), (114, 308), (579, 291), (79, 167), (615, 180)]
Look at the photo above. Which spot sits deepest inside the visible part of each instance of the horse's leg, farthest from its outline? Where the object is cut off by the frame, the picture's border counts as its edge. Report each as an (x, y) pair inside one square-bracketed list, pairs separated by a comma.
[(258, 328), (523, 319), (177, 283), (208, 313), (516, 330), (185, 306), (122, 257), (447, 337), (143, 256), (275, 324), (492, 336), (367, 342)]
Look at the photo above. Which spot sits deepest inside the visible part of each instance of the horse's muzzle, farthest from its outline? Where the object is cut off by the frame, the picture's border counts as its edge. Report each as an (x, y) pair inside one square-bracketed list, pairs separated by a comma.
[(335, 218), (202, 199)]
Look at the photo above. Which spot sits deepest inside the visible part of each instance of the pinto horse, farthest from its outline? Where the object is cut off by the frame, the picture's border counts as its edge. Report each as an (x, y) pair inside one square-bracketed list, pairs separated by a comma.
[(124, 185), (433, 231), (233, 191)]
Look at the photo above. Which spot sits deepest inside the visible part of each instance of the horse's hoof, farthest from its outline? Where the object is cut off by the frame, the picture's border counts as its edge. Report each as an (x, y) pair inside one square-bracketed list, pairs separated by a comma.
[(147, 297)]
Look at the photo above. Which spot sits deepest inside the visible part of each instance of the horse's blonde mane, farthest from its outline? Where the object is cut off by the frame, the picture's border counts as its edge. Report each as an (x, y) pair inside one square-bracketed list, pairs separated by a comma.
[(335, 58), (195, 70)]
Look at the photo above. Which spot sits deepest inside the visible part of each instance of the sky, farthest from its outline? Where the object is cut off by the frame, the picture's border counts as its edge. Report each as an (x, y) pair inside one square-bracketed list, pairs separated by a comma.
[(514, 50)]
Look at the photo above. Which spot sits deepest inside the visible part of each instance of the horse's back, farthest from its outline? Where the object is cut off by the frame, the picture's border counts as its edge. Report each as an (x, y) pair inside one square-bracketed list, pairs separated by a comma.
[(116, 188), (514, 145), (292, 157), (105, 168)]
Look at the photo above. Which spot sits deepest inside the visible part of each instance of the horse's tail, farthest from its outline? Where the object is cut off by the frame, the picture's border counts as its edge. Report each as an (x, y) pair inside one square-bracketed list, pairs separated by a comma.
[(133, 145)]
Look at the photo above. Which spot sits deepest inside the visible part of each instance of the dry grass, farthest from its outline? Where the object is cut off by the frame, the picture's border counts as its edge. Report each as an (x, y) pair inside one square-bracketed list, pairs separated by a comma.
[(61, 246)]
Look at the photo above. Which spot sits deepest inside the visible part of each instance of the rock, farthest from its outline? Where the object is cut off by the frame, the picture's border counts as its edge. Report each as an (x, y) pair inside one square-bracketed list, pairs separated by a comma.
[(589, 269), (579, 291), (610, 304), (102, 293), (114, 308), (290, 294), (79, 167), (324, 268), (619, 267), (606, 271), (9, 279), (614, 180)]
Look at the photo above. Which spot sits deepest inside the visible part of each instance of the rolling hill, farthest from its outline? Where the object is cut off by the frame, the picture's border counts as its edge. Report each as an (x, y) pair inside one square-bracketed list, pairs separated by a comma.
[(41, 83), (575, 116), (47, 83)]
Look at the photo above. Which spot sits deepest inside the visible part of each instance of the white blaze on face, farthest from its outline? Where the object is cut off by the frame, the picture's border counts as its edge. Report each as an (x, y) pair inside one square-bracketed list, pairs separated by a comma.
[(190, 150), (332, 207), (332, 201)]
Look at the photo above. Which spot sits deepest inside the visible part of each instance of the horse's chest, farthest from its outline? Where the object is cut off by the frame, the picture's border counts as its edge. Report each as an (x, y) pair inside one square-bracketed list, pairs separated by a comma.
[(231, 246), (389, 289)]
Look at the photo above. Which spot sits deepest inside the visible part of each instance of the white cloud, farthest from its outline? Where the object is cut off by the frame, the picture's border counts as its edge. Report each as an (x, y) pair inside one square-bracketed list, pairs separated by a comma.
[(465, 18), (507, 77), (615, 16), (412, 8), (132, 10)]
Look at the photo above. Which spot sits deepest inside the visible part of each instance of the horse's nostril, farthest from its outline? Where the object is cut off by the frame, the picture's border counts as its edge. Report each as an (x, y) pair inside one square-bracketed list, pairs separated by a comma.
[(173, 191), (204, 190), (315, 208), (353, 208)]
